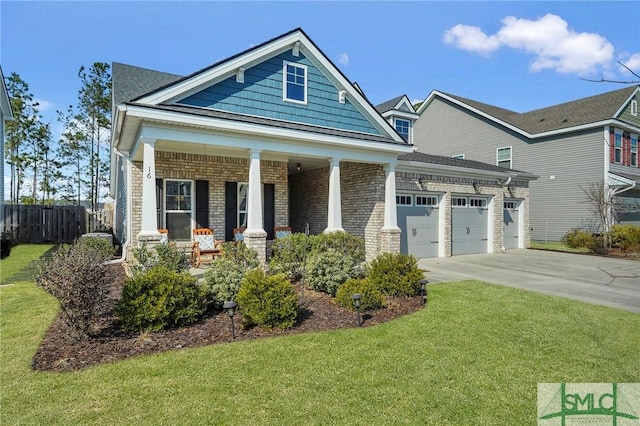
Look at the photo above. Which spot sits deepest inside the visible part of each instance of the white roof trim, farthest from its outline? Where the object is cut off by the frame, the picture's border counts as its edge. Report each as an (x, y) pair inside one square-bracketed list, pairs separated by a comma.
[(257, 55), (5, 104), (435, 94), (257, 129), (617, 180), (625, 103), (420, 167)]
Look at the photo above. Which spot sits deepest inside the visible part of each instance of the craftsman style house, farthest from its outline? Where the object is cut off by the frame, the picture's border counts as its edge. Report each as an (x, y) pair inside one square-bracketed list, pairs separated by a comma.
[(277, 136), (591, 141)]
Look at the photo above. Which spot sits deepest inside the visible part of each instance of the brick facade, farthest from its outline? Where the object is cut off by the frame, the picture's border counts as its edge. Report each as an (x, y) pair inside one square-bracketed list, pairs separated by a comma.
[(445, 186), (217, 170)]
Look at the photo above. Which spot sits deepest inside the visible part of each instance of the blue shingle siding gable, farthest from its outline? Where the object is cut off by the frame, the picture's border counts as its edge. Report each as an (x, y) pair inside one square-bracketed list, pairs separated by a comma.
[(261, 95)]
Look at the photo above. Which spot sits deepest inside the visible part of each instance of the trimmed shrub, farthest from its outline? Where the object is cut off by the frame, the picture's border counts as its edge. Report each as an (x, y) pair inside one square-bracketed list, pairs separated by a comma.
[(396, 274), (267, 300), (222, 280), (577, 238), (327, 270), (626, 237), (160, 298), (598, 245), (372, 298), (240, 253), (165, 254), (78, 278), (347, 244), (288, 255)]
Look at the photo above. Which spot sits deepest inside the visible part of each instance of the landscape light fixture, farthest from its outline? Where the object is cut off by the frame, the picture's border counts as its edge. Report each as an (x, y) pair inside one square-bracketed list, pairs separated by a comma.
[(298, 166), (230, 309), (356, 302), (423, 290)]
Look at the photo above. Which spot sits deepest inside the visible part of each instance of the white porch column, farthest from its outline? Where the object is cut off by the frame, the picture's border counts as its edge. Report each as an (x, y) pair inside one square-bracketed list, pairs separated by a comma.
[(149, 221), (390, 232), (255, 236), (334, 219), (390, 212), (254, 197)]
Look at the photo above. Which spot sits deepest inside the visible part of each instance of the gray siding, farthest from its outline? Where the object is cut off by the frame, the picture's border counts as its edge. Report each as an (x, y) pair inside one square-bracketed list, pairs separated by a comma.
[(120, 223), (557, 205)]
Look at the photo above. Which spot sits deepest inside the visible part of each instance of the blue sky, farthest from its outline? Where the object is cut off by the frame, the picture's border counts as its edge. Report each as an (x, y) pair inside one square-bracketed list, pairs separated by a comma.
[(516, 55)]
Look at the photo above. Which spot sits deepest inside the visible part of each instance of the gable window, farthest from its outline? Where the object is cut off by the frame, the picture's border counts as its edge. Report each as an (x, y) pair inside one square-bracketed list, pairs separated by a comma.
[(295, 82), (634, 108), (178, 206), (403, 127), (617, 145), (634, 151), (503, 156)]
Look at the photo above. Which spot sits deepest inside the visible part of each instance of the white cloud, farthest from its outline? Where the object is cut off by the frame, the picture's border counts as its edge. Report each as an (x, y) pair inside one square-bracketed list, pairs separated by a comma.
[(632, 62), (44, 105), (471, 38), (343, 58), (549, 39)]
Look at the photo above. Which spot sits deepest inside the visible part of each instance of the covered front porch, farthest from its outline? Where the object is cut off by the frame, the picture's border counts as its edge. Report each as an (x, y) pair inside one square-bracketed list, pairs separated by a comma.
[(180, 184)]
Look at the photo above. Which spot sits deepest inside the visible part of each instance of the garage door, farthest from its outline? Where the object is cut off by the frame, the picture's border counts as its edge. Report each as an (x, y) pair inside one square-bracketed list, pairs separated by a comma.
[(511, 224), (469, 225), (418, 221)]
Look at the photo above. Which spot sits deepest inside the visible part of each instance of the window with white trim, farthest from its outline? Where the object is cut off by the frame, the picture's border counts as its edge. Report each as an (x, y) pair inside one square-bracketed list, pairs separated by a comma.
[(478, 202), (425, 200), (243, 191), (403, 127), (178, 208), (634, 108), (634, 151), (295, 82), (503, 157), (617, 146), (458, 201), (404, 200), (512, 205)]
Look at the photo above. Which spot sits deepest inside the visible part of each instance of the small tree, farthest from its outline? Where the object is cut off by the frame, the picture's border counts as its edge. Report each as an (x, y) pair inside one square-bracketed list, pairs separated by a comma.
[(600, 198)]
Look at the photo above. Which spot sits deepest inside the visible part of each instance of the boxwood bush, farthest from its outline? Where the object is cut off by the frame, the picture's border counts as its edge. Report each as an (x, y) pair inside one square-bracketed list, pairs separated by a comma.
[(160, 298), (289, 255), (267, 300), (578, 238), (165, 254), (626, 237), (328, 269), (371, 297), (396, 274)]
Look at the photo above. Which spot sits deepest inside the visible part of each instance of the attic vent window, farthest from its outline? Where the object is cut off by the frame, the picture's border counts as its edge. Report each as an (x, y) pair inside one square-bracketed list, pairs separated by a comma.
[(240, 75), (295, 82), (634, 108)]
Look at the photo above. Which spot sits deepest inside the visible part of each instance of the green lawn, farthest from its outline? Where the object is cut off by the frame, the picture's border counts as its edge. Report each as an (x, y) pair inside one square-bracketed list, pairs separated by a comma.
[(21, 256), (474, 356), (557, 246)]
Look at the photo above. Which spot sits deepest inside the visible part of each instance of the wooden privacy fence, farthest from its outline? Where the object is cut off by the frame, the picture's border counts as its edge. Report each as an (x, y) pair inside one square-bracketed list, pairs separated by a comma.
[(52, 224)]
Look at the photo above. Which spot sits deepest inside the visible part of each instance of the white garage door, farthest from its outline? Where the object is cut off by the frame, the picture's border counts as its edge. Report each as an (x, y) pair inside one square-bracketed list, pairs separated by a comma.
[(418, 221), (469, 225), (511, 224)]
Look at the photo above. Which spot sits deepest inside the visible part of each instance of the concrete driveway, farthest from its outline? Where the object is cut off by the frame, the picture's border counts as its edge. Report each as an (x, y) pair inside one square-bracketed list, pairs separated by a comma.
[(599, 280)]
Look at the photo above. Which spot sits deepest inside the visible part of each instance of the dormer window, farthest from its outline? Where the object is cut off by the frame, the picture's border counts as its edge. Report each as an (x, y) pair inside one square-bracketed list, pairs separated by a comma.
[(403, 127), (295, 82)]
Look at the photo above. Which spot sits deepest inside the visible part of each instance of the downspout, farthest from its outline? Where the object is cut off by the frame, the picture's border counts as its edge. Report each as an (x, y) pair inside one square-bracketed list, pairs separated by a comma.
[(127, 244)]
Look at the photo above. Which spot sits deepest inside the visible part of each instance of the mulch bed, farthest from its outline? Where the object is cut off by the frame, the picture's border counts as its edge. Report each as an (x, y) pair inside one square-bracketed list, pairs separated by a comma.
[(62, 350)]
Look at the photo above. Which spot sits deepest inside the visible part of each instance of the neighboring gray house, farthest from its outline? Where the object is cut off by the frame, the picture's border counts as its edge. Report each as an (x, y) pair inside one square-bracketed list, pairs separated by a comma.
[(5, 114), (569, 146)]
